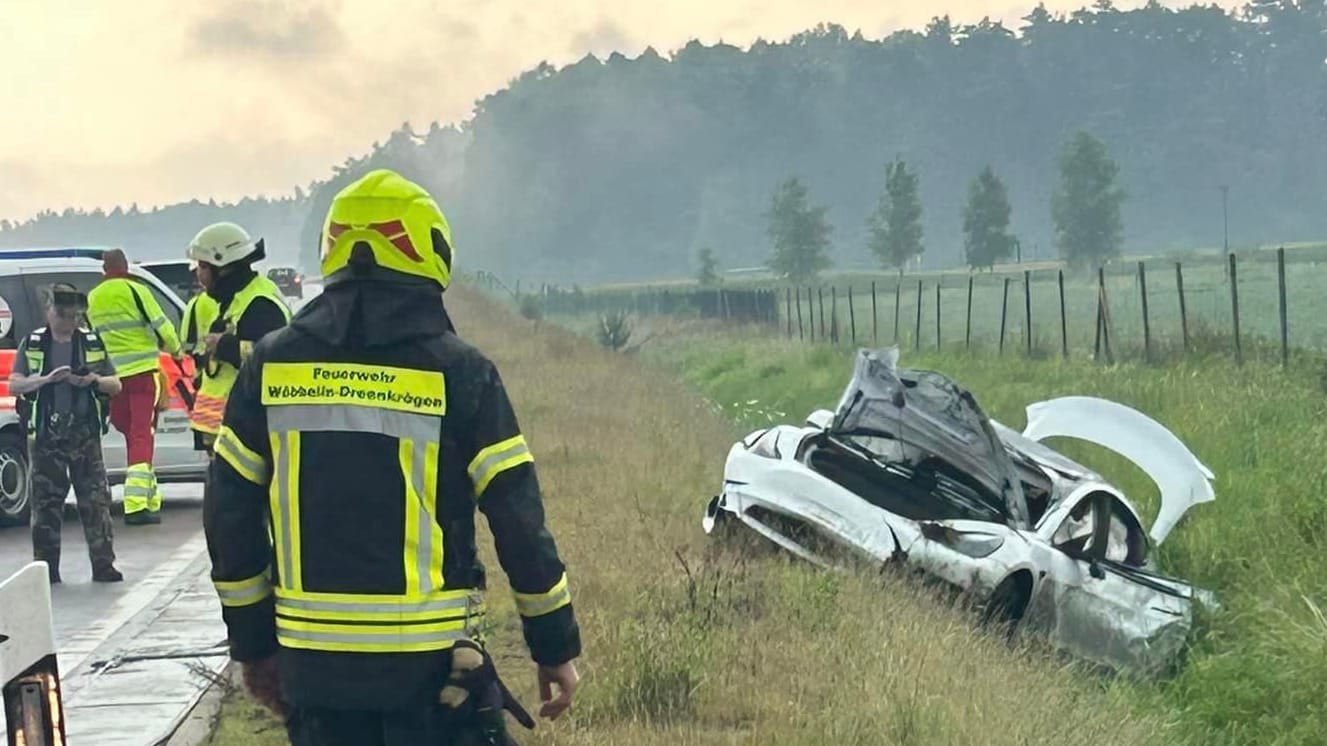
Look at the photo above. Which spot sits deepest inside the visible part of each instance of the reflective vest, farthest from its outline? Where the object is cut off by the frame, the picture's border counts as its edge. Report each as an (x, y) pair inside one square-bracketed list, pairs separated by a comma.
[(131, 325), (87, 350), (199, 314), (219, 376)]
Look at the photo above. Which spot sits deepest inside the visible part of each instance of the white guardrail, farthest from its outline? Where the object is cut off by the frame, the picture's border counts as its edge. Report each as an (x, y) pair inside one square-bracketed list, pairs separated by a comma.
[(33, 709)]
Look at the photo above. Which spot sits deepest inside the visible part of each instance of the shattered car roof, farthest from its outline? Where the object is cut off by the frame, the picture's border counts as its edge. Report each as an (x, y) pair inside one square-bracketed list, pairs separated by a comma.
[(928, 410)]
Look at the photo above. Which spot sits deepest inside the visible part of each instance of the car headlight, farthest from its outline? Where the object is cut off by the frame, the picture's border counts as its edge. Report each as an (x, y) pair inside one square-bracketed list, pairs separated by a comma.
[(975, 544)]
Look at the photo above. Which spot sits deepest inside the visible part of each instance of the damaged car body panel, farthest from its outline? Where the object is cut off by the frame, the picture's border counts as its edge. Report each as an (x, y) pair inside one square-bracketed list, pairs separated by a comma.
[(909, 469)]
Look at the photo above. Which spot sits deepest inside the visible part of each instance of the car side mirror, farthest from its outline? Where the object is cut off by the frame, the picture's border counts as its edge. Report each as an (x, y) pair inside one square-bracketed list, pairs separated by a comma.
[(1094, 569)]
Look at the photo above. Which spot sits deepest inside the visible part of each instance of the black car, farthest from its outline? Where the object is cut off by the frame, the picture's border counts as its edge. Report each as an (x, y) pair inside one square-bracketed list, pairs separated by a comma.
[(288, 280)]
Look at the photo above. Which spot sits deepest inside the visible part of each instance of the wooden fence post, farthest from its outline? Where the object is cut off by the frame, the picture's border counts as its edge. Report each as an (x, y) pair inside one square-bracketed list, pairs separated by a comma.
[(1103, 316), (898, 291), (1184, 314), (1234, 308), (1004, 313), (1147, 329), (1027, 308), (852, 317), (810, 315), (967, 334), (1064, 320), (800, 335), (1281, 289), (788, 309), (917, 335), (833, 314), (820, 301), (875, 319), (937, 314)]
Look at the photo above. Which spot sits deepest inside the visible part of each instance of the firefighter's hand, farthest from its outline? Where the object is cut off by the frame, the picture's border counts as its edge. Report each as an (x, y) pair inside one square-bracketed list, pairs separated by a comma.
[(566, 678), (211, 341), (263, 682)]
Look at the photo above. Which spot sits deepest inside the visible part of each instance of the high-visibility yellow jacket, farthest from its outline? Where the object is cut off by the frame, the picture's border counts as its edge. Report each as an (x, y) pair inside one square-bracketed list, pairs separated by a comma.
[(131, 325), (199, 313), (223, 363), (366, 436)]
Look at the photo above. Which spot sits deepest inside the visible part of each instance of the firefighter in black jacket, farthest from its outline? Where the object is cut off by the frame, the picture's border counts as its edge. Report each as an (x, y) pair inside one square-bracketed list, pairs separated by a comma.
[(361, 438)]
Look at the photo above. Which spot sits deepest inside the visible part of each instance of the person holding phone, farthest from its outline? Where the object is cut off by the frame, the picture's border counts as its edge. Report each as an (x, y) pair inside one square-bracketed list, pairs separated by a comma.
[(64, 379)]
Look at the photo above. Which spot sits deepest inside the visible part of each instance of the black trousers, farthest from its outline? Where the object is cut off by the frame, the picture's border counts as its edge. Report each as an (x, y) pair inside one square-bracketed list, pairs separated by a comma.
[(310, 726)]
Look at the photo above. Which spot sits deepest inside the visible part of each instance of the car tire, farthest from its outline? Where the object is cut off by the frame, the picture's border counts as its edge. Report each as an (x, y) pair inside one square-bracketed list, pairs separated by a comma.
[(1004, 608), (15, 497)]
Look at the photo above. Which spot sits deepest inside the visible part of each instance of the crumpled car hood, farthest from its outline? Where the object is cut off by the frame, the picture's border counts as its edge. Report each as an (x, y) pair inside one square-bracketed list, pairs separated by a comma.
[(928, 410)]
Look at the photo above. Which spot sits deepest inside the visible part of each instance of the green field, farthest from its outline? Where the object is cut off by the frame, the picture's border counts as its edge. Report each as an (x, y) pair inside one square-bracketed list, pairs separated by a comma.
[(1258, 674)]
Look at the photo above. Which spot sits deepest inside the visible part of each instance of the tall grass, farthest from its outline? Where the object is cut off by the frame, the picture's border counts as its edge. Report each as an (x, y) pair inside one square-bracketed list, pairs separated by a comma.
[(1259, 674), (689, 641)]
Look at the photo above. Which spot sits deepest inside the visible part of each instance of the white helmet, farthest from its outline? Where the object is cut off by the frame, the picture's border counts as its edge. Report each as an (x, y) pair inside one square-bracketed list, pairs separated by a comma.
[(221, 244)]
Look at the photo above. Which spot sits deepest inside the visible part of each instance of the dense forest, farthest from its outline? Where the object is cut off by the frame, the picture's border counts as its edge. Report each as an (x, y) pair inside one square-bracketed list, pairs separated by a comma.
[(622, 168)]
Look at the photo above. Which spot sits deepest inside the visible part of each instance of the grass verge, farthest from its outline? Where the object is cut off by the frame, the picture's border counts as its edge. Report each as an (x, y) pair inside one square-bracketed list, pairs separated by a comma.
[(1259, 673), (693, 642)]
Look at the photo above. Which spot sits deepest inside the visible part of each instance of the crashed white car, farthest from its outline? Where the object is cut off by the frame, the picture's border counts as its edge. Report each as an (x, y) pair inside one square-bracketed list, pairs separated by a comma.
[(909, 469)]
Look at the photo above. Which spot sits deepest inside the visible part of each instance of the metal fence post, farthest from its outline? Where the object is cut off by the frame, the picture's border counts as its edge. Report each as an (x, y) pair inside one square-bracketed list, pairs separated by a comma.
[(917, 335), (852, 317), (967, 333), (1004, 313), (1234, 308), (875, 318), (1027, 308), (1064, 320), (1147, 329), (1281, 288), (1184, 313)]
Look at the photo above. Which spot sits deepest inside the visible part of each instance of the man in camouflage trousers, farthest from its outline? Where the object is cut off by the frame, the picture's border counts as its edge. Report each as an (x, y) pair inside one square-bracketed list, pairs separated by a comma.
[(65, 380)]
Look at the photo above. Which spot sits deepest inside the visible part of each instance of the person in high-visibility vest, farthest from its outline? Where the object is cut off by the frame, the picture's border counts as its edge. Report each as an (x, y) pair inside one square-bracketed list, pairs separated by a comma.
[(199, 313), (133, 327), (248, 306)]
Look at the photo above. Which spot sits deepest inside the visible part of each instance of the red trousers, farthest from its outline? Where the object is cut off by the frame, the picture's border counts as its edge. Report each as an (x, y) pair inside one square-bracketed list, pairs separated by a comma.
[(134, 413)]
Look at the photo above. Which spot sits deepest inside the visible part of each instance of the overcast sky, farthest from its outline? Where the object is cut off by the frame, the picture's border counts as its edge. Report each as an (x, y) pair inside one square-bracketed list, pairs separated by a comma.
[(156, 101)]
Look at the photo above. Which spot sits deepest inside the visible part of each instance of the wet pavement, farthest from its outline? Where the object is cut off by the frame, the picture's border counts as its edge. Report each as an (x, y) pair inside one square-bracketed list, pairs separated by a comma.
[(78, 602), (132, 654)]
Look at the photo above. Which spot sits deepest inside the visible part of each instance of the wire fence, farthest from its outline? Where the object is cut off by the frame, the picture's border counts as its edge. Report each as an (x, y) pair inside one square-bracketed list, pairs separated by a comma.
[(1149, 310)]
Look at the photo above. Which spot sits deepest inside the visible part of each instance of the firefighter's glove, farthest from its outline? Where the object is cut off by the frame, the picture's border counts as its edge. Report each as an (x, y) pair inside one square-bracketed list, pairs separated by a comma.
[(475, 697)]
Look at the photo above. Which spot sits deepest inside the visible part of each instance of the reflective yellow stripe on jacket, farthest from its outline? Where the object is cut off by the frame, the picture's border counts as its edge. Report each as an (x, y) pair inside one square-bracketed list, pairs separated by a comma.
[(406, 405)]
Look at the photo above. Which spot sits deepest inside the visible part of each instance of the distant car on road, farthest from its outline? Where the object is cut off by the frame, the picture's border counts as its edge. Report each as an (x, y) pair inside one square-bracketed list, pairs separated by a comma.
[(288, 279)]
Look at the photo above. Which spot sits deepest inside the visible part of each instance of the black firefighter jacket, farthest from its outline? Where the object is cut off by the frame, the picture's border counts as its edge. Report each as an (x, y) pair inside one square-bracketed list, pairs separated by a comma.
[(356, 445)]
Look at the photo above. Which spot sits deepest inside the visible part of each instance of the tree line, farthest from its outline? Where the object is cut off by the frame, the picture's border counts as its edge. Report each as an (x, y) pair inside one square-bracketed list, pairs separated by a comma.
[(1086, 210), (623, 168)]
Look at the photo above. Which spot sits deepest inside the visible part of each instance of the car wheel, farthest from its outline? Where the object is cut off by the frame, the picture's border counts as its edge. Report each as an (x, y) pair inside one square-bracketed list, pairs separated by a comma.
[(1006, 604), (14, 501)]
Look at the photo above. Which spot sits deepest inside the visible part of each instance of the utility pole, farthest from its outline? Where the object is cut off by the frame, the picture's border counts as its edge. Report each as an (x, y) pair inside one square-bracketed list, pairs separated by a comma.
[(1225, 217)]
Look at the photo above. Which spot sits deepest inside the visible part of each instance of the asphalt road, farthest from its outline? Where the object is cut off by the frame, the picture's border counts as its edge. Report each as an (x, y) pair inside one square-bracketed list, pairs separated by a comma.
[(79, 604)]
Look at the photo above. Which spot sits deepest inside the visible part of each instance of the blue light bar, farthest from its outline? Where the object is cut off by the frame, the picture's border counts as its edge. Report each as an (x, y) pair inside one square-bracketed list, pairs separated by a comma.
[(60, 253)]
